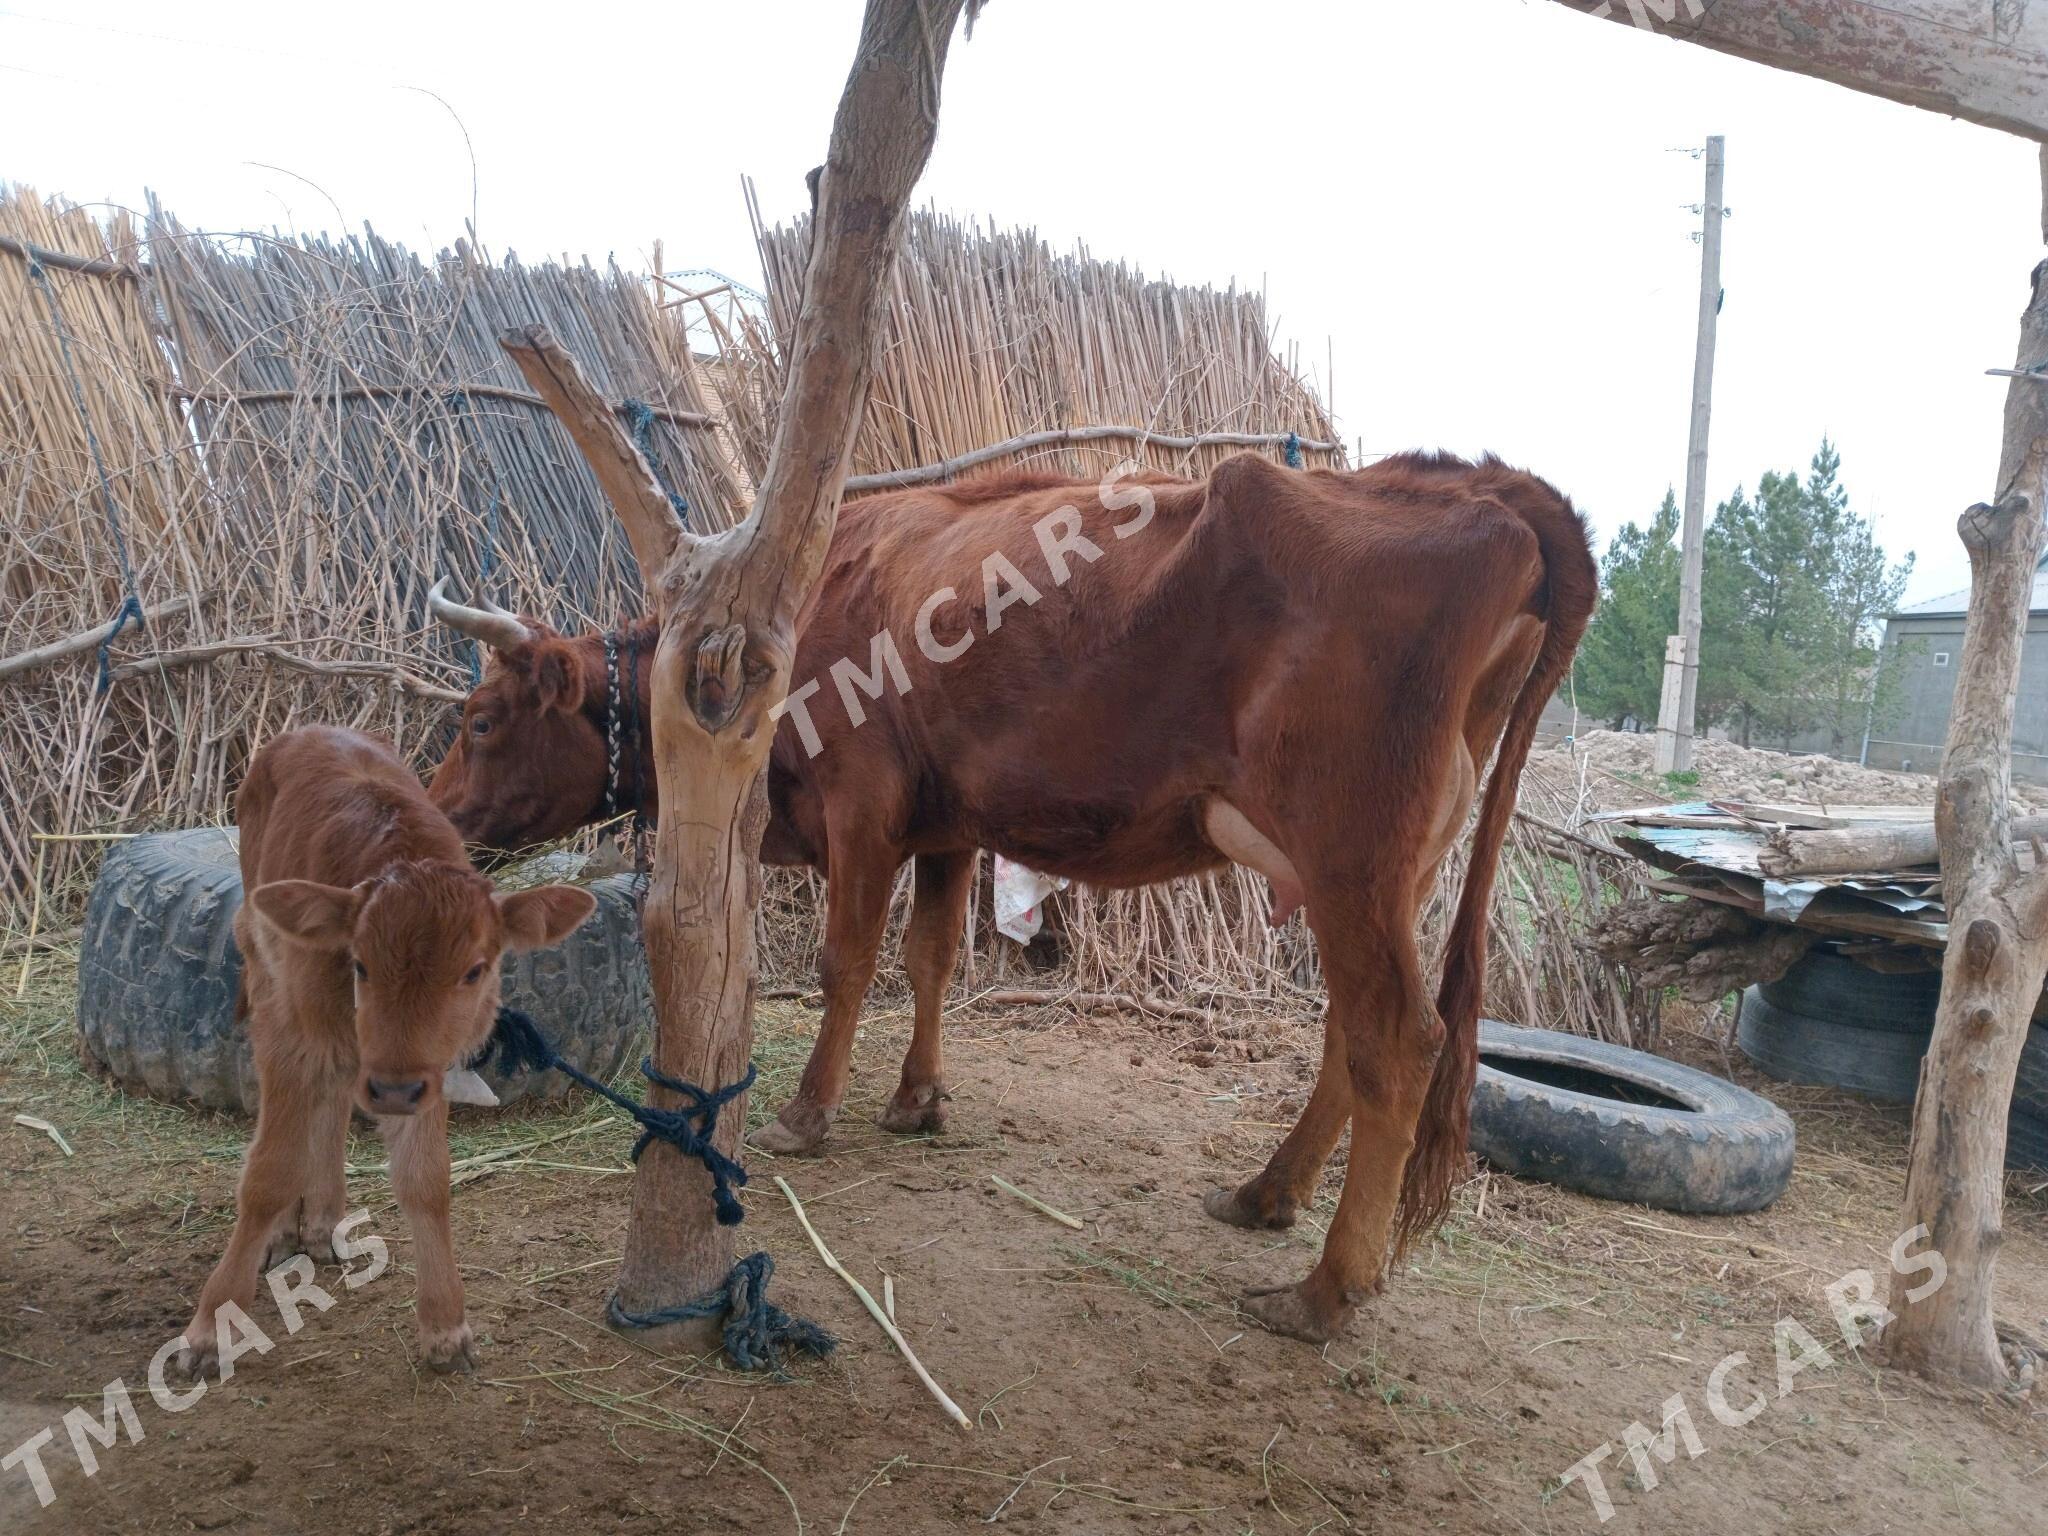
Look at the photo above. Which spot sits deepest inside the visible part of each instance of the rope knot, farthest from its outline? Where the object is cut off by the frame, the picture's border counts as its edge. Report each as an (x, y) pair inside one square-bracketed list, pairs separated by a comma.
[(519, 1046), (756, 1330), (1294, 450), (689, 1127)]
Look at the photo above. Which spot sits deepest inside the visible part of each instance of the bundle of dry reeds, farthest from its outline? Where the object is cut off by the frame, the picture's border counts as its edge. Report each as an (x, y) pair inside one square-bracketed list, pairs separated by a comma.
[(299, 437), (992, 336)]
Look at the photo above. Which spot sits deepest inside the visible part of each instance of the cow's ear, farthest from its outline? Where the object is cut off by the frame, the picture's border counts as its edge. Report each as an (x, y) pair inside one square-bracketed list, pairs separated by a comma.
[(543, 916), (558, 676), (322, 916)]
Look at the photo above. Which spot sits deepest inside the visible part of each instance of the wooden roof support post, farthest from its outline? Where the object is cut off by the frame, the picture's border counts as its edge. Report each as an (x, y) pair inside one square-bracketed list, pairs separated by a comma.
[(1998, 919), (729, 607)]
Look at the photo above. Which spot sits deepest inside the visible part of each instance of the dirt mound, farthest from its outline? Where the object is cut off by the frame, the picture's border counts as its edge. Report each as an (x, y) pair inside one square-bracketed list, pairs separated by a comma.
[(1729, 771)]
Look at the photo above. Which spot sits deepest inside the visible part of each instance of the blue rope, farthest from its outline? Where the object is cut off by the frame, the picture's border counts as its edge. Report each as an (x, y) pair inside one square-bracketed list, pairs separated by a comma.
[(641, 415), (756, 1330), (130, 611), (520, 1047), (1294, 450)]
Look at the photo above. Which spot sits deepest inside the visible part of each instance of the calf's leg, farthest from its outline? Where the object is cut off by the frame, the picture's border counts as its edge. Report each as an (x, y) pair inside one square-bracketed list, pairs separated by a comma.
[(307, 1225), (938, 913), (419, 1177), (862, 872), (326, 1180), (273, 1181)]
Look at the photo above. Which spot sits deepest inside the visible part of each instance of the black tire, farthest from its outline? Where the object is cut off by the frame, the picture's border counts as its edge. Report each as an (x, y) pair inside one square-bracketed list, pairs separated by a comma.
[(1625, 1125), (158, 972), (1828, 1051), (1823, 985), (2030, 1087), (2026, 1141), (1883, 1064)]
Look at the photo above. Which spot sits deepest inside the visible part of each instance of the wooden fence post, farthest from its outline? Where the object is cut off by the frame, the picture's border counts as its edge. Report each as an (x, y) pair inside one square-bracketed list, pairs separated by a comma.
[(1998, 917), (729, 606)]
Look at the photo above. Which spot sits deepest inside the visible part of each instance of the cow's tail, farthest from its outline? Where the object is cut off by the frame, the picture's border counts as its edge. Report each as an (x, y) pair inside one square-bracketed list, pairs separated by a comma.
[(1571, 586)]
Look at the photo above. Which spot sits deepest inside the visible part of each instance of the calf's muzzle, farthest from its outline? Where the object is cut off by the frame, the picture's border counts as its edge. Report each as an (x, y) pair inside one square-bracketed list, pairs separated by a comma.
[(394, 1098)]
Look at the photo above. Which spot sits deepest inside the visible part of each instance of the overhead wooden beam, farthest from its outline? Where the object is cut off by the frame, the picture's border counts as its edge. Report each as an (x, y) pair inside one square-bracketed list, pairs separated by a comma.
[(1982, 60)]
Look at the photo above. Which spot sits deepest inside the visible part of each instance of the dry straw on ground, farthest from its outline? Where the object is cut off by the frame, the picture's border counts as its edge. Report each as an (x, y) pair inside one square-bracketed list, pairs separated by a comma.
[(300, 435)]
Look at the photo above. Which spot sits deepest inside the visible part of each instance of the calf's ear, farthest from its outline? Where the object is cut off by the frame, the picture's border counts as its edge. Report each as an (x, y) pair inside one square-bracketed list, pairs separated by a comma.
[(323, 916), (545, 915), (558, 677)]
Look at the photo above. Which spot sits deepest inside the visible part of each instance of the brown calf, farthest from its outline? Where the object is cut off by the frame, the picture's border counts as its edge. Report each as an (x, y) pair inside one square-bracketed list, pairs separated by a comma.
[(1303, 672), (370, 954)]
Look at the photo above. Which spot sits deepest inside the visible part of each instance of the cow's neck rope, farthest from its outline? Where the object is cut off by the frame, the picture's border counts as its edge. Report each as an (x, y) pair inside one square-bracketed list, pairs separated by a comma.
[(757, 1332), (622, 722)]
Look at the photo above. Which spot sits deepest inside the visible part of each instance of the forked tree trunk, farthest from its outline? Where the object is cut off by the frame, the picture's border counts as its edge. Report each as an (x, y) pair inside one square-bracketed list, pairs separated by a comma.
[(1998, 917), (729, 606)]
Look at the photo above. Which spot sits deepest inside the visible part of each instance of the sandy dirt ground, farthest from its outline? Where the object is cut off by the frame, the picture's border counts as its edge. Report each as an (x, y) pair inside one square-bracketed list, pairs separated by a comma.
[(1113, 1383)]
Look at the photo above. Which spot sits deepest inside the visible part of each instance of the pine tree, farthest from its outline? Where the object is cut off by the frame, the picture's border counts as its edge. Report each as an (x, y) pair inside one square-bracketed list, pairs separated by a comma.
[(1794, 592), (1620, 666)]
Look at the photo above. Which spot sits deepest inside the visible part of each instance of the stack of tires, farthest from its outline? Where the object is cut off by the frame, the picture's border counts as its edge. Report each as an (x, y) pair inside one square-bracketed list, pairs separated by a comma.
[(1833, 1023), (158, 972)]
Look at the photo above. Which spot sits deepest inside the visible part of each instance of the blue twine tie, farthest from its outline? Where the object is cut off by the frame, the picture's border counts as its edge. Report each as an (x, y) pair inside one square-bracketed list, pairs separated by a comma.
[(641, 415)]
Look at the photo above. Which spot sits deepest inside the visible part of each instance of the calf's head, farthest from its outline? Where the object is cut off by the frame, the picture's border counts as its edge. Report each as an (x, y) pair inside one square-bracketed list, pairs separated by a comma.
[(423, 940), (529, 763)]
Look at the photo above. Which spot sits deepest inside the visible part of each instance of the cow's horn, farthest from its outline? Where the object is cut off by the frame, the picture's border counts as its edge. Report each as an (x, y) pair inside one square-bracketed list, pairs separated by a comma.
[(498, 629)]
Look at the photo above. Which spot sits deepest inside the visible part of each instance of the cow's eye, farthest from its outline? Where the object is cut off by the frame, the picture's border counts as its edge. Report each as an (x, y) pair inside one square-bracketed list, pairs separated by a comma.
[(475, 974), (480, 726)]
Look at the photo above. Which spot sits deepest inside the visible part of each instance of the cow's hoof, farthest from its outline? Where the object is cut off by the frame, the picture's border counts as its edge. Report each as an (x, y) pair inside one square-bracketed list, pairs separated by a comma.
[(449, 1349), (799, 1130), (1297, 1312), (915, 1111), (1250, 1206)]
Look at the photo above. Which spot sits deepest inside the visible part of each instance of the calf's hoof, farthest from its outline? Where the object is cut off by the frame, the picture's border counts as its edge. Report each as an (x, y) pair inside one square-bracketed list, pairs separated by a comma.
[(1250, 1205), (1300, 1311), (195, 1362), (448, 1349), (798, 1130), (315, 1244), (914, 1111)]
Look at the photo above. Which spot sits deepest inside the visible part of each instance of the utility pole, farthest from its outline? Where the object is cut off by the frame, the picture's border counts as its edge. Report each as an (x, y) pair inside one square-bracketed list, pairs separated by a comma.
[(1682, 650)]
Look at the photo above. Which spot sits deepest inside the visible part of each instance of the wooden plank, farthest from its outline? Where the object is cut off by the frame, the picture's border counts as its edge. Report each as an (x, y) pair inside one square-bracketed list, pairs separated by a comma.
[(1872, 850), (1825, 919), (1983, 60)]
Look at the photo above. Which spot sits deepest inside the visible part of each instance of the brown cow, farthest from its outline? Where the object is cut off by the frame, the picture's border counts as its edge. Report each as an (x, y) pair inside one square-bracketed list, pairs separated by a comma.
[(370, 954), (1302, 672)]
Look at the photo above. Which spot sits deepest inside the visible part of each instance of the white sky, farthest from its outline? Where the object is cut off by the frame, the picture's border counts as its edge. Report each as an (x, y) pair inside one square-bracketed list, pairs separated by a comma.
[(1472, 204)]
